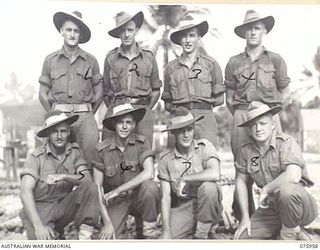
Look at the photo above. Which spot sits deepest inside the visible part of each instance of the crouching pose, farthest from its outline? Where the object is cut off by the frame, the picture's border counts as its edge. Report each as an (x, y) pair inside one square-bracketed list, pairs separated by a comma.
[(47, 184), (125, 163), (273, 160), (191, 198)]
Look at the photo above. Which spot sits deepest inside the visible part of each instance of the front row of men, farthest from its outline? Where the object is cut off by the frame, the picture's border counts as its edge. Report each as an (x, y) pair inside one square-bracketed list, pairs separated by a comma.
[(189, 196)]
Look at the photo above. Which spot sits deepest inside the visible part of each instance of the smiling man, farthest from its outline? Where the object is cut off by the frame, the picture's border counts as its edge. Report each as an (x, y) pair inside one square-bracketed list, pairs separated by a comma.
[(47, 181), (194, 80), (273, 160), (124, 172), (191, 199), (70, 81), (131, 73)]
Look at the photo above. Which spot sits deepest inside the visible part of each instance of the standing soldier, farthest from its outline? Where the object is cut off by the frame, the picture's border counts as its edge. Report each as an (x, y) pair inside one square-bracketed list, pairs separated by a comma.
[(194, 80), (131, 73), (71, 81), (253, 75)]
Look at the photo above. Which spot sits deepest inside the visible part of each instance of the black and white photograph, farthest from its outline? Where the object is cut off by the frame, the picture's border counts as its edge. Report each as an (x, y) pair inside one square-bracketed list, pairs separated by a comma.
[(124, 121)]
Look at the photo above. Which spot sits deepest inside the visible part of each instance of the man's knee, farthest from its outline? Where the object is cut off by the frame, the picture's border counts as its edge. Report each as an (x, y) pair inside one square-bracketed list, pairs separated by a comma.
[(89, 187), (289, 192), (210, 190), (149, 188)]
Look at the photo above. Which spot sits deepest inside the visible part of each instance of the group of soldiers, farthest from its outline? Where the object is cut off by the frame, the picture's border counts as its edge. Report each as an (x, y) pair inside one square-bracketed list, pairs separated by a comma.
[(73, 177)]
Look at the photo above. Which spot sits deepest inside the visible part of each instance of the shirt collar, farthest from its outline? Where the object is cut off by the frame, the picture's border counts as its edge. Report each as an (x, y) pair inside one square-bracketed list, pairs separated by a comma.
[(80, 53), (49, 151), (114, 143), (194, 146), (273, 141), (196, 60), (245, 53), (138, 51)]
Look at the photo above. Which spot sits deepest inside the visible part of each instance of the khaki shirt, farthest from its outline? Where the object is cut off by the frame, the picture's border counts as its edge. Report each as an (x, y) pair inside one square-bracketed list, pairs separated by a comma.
[(172, 165), (202, 82), (260, 80), (43, 162), (263, 169), (130, 78), (120, 167), (70, 82)]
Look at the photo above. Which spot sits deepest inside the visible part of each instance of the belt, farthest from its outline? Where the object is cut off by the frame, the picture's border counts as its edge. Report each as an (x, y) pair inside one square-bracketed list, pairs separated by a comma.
[(134, 100), (73, 108), (245, 106), (194, 105)]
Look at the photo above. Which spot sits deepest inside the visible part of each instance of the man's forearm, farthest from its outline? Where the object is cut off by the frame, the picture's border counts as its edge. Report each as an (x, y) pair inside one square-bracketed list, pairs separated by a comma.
[(165, 211), (242, 197), (29, 207), (155, 94), (205, 175)]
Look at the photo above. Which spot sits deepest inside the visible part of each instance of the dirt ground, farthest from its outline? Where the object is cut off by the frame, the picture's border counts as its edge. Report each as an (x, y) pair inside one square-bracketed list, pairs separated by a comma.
[(11, 227)]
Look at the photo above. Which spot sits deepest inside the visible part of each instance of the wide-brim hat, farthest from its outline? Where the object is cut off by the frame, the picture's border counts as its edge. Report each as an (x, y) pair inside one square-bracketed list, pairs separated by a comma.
[(53, 118), (123, 109), (187, 25), (60, 17), (123, 18), (181, 120), (257, 109), (252, 17)]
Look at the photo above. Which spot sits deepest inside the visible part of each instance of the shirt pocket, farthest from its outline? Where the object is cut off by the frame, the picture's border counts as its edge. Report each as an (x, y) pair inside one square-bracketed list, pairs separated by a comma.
[(143, 76), (59, 80), (179, 88), (110, 170), (117, 81), (242, 75), (203, 83), (84, 80), (253, 167), (267, 84)]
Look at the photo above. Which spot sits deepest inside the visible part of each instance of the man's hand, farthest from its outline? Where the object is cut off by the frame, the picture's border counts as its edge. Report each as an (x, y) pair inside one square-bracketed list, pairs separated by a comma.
[(112, 194), (107, 232), (54, 178), (180, 186), (244, 224), (165, 235), (262, 202), (44, 232)]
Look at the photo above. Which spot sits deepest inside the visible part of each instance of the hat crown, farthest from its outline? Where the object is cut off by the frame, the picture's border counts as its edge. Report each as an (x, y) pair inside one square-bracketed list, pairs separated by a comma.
[(181, 118), (257, 108), (251, 15), (54, 117), (77, 14), (122, 107), (122, 17)]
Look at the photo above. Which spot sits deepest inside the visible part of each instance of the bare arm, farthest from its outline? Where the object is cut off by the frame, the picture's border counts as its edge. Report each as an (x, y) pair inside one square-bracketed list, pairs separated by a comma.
[(155, 94), (241, 191), (108, 230), (43, 97), (211, 173), (41, 231), (165, 208), (98, 92), (229, 99)]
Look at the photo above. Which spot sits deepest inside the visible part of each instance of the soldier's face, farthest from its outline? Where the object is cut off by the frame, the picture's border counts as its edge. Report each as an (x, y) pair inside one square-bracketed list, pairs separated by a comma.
[(124, 126), (58, 136), (128, 34), (261, 128), (255, 33), (71, 33), (184, 136), (190, 41)]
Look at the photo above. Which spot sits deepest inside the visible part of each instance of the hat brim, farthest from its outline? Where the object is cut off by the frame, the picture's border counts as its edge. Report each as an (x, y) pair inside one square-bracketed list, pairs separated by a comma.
[(202, 27), (44, 132), (241, 29), (137, 18), (137, 113), (60, 17), (183, 124), (272, 111)]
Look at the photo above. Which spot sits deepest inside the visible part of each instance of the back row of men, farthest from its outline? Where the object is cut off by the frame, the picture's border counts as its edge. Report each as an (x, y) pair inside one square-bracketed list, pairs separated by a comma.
[(72, 89)]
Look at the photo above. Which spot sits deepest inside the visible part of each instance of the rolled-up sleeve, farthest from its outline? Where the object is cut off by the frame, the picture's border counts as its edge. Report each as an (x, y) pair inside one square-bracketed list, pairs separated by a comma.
[(209, 152), (241, 161), (44, 78), (96, 75), (218, 87), (291, 154), (229, 78), (163, 172), (31, 167), (79, 159), (98, 162), (281, 77), (146, 151)]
